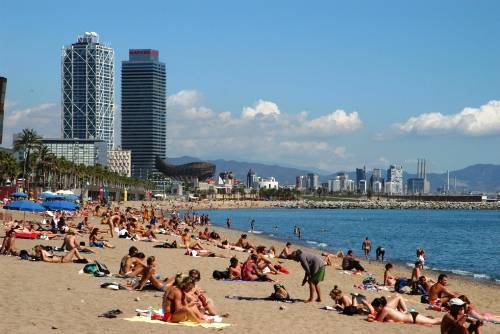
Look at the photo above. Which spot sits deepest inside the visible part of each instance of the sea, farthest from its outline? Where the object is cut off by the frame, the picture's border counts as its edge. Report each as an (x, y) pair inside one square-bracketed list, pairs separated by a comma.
[(462, 242)]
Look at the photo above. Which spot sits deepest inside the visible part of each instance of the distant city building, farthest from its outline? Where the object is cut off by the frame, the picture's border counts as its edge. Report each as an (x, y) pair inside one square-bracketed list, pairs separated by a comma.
[(3, 87), (376, 178), (419, 184), (268, 183), (360, 176), (88, 152), (363, 187), (252, 180), (120, 161), (301, 182), (312, 182), (88, 94), (334, 185), (395, 178), (377, 187), (143, 109)]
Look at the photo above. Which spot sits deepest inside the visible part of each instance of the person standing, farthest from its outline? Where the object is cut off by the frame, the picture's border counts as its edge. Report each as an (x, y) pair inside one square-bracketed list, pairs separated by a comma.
[(367, 247), (298, 232), (252, 225), (380, 252), (314, 272), (228, 222)]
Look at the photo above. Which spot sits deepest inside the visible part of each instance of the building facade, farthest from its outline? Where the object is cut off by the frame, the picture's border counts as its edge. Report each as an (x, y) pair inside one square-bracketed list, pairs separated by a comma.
[(268, 183), (300, 182), (120, 161), (89, 152), (143, 104), (87, 89), (312, 182), (360, 176), (3, 87), (395, 178), (252, 180)]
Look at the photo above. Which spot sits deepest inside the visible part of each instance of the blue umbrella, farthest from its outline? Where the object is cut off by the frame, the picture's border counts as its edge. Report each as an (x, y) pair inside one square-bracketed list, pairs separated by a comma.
[(25, 205), (19, 194), (60, 205), (47, 194)]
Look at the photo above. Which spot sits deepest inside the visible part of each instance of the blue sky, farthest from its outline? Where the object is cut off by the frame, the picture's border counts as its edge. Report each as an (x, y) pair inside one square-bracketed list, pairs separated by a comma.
[(328, 84)]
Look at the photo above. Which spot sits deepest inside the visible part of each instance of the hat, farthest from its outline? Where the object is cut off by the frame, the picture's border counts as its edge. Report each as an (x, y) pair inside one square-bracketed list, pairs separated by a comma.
[(457, 302)]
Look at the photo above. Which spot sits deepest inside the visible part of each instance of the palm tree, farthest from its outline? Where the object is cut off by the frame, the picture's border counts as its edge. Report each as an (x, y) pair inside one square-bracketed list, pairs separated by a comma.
[(27, 142), (9, 168)]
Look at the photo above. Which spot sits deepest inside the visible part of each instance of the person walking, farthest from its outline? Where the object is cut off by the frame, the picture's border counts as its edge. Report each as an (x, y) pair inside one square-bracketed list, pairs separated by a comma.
[(367, 247)]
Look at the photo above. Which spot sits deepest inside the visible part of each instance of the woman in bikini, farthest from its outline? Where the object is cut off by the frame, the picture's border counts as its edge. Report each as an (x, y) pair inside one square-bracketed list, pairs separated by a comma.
[(95, 241), (45, 256), (389, 279), (176, 305), (381, 311)]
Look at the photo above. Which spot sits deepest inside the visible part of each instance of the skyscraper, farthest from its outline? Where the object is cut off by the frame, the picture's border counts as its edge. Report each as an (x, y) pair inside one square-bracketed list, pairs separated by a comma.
[(88, 93), (394, 180), (3, 86), (144, 112)]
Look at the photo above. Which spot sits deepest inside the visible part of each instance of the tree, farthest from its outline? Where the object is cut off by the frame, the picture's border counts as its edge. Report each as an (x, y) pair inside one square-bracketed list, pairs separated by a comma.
[(9, 168), (27, 142)]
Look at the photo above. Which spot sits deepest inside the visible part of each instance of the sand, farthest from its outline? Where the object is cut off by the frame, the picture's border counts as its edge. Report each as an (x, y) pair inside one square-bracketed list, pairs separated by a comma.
[(39, 297)]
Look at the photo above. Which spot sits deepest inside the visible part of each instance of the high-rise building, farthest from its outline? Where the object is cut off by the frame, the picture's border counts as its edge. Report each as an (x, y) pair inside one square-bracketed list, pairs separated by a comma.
[(312, 181), (252, 179), (300, 182), (87, 87), (377, 179), (3, 87), (395, 178), (144, 130), (360, 176)]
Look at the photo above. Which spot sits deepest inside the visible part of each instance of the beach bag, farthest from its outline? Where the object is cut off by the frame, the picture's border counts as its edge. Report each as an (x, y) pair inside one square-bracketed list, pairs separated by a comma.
[(424, 299), (90, 268), (218, 275), (400, 284), (280, 294), (24, 255), (214, 235), (102, 267)]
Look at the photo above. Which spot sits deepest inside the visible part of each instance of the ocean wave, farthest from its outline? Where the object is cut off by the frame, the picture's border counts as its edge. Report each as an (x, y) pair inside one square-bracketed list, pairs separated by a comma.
[(310, 242), (322, 245)]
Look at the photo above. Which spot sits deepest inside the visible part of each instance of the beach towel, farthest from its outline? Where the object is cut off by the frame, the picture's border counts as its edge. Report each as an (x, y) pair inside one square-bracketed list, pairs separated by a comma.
[(216, 325), (291, 301)]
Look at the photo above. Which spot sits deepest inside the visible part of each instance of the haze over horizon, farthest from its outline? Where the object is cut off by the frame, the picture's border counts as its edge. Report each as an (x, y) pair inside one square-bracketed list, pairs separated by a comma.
[(329, 85)]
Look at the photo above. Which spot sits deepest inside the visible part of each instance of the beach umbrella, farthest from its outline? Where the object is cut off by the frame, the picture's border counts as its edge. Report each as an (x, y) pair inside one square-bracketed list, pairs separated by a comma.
[(19, 195), (24, 205), (60, 205)]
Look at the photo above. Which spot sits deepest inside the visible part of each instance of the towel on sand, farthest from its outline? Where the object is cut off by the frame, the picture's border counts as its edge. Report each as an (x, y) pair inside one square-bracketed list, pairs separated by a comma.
[(184, 323)]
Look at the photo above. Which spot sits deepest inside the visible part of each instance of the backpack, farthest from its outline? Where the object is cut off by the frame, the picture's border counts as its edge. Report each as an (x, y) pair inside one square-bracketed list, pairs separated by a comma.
[(102, 267), (400, 283), (218, 275), (24, 255), (280, 293), (370, 280), (90, 268)]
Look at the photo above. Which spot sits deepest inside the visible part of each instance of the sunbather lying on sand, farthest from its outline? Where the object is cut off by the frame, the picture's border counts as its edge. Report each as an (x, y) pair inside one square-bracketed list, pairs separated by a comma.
[(381, 312), (45, 256), (96, 241)]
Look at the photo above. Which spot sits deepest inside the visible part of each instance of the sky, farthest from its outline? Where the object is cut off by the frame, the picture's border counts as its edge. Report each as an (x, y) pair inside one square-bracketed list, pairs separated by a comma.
[(332, 85)]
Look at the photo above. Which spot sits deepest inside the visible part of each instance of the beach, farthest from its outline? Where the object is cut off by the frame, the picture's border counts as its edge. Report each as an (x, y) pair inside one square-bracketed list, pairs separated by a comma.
[(40, 297)]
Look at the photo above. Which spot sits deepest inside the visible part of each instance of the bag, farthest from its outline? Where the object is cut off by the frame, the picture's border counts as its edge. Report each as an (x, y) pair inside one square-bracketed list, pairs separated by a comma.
[(102, 267), (350, 310), (24, 255), (90, 268), (424, 299), (218, 275), (400, 283), (280, 293), (214, 235), (369, 280)]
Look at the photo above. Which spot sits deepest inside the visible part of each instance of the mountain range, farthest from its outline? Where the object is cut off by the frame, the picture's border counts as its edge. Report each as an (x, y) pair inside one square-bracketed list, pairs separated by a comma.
[(477, 178)]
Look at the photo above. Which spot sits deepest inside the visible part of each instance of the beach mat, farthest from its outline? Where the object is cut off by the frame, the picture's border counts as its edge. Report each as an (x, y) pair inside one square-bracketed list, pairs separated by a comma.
[(215, 325)]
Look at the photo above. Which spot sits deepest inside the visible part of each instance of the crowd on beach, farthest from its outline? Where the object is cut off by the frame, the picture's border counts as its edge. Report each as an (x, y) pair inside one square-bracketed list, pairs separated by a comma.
[(185, 300)]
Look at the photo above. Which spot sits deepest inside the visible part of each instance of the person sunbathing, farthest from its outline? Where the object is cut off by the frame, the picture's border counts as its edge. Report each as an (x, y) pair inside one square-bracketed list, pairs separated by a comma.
[(205, 235), (100, 242), (455, 321), (286, 252), (126, 262), (45, 256), (71, 243), (234, 269), (350, 262), (175, 303), (263, 263), (438, 293), (328, 257), (250, 271), (149, 274), (186, 240), (9, 243), (389, 279), (357, 304), (243, 242), (380, 311), (198, 296), (226, 245), (138, 266)]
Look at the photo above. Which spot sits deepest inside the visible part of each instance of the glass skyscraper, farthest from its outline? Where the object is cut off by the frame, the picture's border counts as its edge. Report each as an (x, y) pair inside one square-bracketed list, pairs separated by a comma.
[(88, 94), (144, 110)]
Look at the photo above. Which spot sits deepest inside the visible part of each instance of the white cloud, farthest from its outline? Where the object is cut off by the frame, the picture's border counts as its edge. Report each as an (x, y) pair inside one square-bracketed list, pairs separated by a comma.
[(44, 118), (262, 132), (336, 122), (261, 108), (481, 121)]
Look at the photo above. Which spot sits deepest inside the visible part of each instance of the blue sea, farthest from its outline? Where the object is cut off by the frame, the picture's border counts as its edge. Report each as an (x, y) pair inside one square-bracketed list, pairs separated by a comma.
[(462, 242)]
